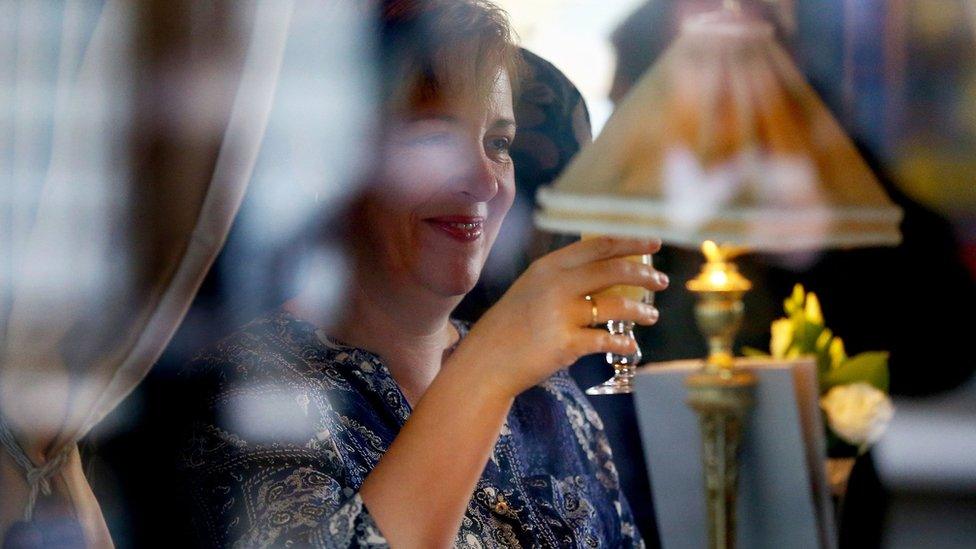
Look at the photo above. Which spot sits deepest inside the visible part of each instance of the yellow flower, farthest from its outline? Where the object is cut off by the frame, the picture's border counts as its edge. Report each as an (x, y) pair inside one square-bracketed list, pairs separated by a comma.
[(794, 303), (782, 337), (798, 293), (837, 352), (823, 340), (812, 312)]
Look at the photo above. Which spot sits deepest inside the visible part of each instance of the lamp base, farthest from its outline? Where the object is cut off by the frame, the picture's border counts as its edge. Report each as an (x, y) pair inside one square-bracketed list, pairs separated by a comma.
[(722, 400)]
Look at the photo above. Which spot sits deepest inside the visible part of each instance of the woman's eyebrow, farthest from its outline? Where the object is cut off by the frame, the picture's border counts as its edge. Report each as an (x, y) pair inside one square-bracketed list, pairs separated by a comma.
[(504, 123), (426, 117)]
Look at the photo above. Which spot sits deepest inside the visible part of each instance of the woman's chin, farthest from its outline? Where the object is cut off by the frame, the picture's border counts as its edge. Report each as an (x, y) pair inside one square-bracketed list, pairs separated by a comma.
[(456, 288), (451, 282)]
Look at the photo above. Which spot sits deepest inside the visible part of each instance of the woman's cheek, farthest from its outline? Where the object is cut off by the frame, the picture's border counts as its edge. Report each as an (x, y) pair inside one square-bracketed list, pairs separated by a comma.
[(422, 167)]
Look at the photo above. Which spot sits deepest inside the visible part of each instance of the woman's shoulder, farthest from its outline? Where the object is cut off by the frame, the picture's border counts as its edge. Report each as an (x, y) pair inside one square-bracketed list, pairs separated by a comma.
[(278, 361), (268, 347), (277, 380)]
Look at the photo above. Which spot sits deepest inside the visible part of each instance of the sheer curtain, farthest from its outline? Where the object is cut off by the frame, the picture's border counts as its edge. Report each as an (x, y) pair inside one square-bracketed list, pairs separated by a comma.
[(970, 6), (128, 134)]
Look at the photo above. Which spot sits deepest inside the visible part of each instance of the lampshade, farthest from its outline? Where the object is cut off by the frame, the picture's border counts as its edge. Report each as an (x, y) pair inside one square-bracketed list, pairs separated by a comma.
[(723, 140)]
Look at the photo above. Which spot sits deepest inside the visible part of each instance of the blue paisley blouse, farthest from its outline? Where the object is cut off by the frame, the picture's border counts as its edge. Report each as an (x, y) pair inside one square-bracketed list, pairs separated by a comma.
[(298, 420)]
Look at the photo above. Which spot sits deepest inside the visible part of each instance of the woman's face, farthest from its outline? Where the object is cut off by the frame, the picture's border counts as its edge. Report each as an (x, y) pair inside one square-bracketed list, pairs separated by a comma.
[(445, 184)]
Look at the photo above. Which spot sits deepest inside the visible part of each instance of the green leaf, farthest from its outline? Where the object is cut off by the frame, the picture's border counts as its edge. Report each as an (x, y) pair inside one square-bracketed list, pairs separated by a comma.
[(823, 363), (805, 335), (871, 367)]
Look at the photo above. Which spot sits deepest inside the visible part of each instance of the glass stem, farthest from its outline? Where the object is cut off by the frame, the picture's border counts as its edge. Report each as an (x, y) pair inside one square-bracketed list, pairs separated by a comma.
[(623, 365)]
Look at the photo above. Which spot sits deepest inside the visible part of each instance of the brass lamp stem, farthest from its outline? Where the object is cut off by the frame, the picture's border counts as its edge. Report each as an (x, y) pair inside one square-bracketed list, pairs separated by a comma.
[(722, 404), (720, 395)]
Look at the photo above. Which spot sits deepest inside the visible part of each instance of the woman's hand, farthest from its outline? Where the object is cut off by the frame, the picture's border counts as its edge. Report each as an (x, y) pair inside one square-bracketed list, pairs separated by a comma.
[(540, 325), (543, 323)]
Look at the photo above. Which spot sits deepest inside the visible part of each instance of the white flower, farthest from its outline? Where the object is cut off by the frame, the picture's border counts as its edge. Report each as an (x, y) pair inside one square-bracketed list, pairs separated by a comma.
[(857, 413)]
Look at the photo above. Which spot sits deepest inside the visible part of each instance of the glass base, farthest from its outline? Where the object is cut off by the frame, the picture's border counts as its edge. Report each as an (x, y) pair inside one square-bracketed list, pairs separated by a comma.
[(622, 381), (613, 386)]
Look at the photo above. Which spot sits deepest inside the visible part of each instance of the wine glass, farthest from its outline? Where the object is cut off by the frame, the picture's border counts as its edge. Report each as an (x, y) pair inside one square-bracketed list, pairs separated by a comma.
[(624, 366)]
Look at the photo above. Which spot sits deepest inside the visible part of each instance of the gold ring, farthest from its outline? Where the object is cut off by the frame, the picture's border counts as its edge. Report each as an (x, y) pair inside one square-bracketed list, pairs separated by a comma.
[(594, 312)]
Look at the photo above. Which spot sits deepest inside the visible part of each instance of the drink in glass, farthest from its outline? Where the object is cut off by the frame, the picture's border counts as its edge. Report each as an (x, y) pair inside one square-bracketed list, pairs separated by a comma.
[(623, 365)]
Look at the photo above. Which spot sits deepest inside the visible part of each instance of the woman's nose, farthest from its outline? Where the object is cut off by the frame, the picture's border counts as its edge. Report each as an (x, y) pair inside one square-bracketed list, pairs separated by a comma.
[(479, 183)]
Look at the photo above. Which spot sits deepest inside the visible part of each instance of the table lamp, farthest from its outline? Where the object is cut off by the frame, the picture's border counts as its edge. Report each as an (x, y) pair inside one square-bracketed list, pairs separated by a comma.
[(723, 144)]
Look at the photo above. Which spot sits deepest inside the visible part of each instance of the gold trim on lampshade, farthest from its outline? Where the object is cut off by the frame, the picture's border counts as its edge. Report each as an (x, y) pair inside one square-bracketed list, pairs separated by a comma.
[(723, 140)]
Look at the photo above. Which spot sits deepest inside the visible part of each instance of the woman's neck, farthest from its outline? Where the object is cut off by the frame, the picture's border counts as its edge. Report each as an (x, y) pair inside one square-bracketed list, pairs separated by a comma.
[(411, 333)]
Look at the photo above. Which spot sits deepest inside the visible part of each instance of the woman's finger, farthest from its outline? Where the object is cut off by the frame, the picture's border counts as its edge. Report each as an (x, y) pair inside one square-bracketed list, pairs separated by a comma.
[(600, 275), (600, 310), (590, 341), (602, 247)]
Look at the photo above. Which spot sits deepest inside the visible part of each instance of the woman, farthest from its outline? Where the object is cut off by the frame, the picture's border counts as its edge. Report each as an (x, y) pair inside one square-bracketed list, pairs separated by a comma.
[(391, 423)]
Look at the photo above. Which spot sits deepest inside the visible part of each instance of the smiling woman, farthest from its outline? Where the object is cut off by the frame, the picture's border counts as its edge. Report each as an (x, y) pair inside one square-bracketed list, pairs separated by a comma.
[(377, 418), (441, 191), (445, 171)]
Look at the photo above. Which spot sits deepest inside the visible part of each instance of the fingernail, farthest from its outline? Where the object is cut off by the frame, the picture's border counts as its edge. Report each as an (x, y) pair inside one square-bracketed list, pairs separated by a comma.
[(662, 279), (651, 313)]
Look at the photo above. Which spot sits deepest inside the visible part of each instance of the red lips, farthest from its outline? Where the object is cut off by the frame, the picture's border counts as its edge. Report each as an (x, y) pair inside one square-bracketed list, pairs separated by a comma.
[(462, 228)]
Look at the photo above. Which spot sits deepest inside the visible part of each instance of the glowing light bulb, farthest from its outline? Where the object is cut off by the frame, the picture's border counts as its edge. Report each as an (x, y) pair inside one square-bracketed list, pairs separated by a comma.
[(718, 279)]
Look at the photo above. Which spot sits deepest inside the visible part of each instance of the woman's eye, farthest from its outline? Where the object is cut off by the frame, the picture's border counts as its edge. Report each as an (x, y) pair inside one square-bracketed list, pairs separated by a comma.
[(499, 145)]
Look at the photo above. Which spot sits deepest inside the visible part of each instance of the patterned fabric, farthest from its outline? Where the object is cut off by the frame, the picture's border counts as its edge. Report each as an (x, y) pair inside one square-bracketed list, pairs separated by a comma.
[(295, 421), (553, 124)]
